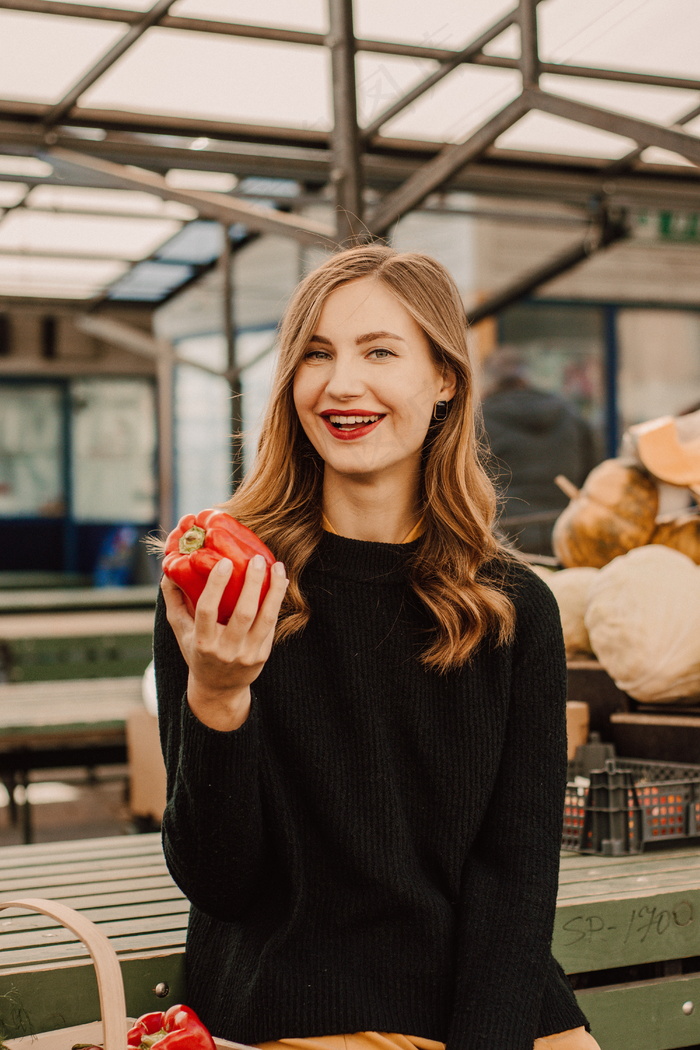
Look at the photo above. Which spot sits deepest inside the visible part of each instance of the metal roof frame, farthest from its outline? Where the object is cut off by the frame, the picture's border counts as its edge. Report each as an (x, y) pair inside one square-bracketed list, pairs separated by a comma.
[(350, 159)]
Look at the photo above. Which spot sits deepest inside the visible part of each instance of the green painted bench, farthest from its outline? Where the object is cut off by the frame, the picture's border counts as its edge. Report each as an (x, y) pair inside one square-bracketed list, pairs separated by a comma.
[(627, 931), (87, 643)]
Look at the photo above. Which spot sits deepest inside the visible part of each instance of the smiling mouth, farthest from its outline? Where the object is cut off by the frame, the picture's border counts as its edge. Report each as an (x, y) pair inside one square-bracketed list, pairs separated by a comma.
[(345, 423)]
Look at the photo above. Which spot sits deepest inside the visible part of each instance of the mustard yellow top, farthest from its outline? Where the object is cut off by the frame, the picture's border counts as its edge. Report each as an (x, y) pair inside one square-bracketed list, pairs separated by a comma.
[(415, 532)]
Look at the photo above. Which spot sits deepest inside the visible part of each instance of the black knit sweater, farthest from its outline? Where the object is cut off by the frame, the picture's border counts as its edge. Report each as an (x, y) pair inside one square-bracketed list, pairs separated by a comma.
[(377, 847)]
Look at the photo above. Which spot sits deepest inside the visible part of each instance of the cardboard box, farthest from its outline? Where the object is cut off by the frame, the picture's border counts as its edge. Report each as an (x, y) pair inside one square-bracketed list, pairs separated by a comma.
[(146, 767)]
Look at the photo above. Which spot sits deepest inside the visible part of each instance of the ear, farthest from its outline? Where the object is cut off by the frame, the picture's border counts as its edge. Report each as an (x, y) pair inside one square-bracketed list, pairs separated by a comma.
[(449, 384)]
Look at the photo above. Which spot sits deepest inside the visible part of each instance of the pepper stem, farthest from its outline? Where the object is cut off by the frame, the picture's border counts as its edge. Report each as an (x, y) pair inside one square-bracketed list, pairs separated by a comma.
[(191, 540)]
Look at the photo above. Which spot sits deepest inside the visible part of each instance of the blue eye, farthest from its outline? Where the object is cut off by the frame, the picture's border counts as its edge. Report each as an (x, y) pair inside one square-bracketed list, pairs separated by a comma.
[(382, 353), (315, 355)]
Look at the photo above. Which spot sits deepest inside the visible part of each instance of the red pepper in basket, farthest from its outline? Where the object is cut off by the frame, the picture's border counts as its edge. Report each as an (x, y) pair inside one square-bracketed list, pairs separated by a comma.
[(178, 1028), (198, 542)]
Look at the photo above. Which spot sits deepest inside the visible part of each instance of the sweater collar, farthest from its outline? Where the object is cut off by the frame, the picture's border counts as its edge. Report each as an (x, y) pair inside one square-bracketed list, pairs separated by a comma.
[(361, 559)]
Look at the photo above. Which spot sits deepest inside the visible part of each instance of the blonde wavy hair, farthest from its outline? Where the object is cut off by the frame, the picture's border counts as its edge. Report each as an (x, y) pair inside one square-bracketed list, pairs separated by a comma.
[(280, 498)]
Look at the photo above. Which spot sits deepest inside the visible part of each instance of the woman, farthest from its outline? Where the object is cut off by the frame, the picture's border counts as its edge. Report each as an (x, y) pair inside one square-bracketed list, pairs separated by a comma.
[(366, 814)]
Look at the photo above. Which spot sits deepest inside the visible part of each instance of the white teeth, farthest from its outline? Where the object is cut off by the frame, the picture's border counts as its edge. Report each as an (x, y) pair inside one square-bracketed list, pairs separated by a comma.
[(340, 420)]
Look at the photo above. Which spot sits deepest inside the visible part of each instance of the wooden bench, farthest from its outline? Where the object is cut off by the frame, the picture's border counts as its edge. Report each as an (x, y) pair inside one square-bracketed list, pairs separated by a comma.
[(87, 643), (627, 930), (59, 724)]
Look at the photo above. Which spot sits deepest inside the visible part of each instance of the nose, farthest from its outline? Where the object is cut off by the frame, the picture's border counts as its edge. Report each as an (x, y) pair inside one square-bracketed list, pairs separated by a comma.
[(345, 380)]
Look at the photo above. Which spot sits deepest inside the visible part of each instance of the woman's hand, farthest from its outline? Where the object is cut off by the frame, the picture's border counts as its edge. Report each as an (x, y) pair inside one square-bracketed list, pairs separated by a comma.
[(225, 659)]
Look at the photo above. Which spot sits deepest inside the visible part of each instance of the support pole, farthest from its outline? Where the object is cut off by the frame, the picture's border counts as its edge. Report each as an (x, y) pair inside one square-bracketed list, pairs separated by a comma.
[(346, 172), (165, 380), (232, 370), (529, 54)]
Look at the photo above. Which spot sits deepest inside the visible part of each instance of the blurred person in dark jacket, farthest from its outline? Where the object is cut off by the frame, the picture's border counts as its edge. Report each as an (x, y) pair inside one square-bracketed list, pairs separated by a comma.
[(532, 435)]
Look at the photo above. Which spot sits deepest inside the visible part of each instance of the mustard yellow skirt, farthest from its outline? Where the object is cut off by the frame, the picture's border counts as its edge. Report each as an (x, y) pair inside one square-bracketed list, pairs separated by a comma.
[(575, 1039)]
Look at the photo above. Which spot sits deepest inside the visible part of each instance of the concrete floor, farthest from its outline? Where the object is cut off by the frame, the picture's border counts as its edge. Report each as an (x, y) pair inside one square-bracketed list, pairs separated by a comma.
[(69, 804)]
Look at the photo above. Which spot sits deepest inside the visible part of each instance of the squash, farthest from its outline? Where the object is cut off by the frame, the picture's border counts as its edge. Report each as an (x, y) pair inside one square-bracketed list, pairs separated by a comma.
[(680, 531), (570, 588), (613, 512), (670, 448), (643, 622), (543, 571)]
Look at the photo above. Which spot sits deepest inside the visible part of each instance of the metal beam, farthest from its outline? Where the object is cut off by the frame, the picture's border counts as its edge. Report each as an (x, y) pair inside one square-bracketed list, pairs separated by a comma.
[(465, 55), (54, 253), (644, 132), (563, 69), (529, 53), (65, 104), (346, 170), (624, 163), (136, 341), (500, 172), (605, 234), (211, 205), (437, 171)]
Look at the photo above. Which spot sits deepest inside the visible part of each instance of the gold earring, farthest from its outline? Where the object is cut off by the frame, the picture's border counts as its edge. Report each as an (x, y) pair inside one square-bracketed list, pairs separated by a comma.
[(440, 410)]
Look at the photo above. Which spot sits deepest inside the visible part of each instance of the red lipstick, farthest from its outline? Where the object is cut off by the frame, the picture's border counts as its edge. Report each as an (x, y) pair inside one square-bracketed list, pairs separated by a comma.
[(350, 431)]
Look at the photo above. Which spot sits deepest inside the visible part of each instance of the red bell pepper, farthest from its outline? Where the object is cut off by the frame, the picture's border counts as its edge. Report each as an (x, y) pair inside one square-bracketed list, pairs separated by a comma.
[(198, 542), (178, 1028)]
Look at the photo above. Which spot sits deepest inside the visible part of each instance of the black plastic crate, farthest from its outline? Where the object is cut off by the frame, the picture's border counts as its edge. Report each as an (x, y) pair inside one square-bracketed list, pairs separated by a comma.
[(630, 805)]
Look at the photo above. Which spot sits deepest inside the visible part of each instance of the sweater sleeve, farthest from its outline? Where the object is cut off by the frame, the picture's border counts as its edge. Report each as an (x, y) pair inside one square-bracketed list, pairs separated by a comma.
[(509, 884), (212, 829)]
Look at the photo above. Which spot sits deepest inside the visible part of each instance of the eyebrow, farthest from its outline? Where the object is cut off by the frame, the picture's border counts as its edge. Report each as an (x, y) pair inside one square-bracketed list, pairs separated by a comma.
[(367, 338)]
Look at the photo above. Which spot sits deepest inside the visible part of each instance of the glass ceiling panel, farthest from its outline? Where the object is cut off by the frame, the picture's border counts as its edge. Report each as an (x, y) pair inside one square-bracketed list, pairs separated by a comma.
[(652, 37), (134, 5), (150, 282), (507, 44), (72, 198), (51, 278), (230, 79), (457, 105), (449, 23), (655, 155), (302, 14), (212, 181), (42, 56), (11, 193), (27, 167), (536, 132), (197, 243), (81, 234)]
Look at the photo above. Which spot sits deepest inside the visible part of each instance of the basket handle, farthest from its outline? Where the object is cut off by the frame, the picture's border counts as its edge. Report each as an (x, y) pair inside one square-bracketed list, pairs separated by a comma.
[(110, 986)]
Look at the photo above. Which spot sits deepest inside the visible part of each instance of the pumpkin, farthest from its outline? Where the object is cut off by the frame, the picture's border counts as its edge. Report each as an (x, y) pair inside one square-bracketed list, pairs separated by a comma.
[(643, 621), (614, 511), (680, 531), (570, 588)]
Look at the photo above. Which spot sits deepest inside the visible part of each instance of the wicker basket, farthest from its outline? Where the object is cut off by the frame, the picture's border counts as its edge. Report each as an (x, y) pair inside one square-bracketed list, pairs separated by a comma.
[(111, 1031)]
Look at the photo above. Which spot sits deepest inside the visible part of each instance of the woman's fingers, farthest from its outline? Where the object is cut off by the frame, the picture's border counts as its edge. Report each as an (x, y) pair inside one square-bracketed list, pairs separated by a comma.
[(175, 605), (207, 611), (246, 641), (265, 623), (246, 608)]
